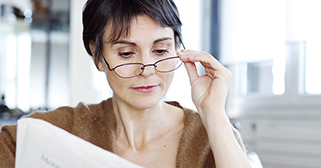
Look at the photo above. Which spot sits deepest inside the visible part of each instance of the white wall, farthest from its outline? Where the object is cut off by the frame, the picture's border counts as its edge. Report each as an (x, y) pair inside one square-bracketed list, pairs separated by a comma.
[(195, 17), (81, 64), (252, 30)]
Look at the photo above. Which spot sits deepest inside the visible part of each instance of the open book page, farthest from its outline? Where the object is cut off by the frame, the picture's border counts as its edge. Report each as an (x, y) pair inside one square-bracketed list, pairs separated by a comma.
[(43, 145)]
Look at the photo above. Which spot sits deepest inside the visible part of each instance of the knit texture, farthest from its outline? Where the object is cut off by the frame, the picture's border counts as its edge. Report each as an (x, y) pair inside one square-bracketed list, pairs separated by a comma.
[(97, 124)]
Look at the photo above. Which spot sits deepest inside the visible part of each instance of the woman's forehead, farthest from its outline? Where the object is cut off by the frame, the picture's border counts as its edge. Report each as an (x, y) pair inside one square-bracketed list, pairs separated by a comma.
[(139, 27), (144, 22)]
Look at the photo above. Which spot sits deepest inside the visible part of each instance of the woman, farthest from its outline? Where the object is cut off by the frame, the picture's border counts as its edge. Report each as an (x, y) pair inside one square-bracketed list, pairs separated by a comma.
[(135, 43)]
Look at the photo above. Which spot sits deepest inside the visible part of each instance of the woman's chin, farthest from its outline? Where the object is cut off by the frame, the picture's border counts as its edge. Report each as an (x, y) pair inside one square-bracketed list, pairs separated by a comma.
[(145, 103), (140, 101)]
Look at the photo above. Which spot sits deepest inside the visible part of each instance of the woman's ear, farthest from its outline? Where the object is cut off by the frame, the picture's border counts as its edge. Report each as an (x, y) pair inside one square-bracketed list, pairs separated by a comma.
[(100, 65), (97, 58), (92, 47)]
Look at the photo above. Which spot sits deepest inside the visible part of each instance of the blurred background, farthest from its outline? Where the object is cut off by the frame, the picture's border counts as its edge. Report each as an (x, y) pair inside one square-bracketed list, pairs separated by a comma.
[(272, 47)]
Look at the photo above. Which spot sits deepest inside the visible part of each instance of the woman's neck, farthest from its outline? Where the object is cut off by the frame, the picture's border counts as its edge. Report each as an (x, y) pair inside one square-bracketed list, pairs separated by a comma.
[(138, 127)]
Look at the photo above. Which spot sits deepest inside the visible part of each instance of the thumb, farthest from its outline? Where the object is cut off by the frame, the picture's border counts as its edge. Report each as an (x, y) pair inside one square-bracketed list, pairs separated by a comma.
[(191, 71)]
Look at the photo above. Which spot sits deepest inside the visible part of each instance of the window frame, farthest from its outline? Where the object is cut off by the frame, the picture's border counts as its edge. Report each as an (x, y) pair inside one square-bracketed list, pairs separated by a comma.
[(293, 97)]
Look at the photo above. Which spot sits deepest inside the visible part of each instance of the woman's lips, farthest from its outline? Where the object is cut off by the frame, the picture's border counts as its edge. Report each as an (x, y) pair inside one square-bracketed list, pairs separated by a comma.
[(145, 89)]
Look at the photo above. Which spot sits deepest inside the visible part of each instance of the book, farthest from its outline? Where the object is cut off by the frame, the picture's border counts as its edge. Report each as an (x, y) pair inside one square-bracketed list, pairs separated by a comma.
[(43, 145)]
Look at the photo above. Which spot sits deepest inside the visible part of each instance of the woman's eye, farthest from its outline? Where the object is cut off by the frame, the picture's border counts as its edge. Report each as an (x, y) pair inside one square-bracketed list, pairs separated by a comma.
[(126, 54), (161, 52)]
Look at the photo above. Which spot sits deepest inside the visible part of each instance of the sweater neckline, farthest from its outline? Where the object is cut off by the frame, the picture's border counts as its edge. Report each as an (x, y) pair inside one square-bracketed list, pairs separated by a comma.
[(110, 115)]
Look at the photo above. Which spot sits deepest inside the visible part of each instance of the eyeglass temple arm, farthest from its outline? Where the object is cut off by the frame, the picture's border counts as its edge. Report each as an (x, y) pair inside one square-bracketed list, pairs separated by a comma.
[(105, 60)]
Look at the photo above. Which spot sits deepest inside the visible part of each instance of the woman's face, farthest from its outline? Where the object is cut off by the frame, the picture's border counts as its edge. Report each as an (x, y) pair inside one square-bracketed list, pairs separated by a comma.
[(146, 43)]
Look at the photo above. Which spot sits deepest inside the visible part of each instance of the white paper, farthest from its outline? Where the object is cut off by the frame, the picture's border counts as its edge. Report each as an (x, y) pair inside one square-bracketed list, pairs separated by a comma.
[(43, 145)]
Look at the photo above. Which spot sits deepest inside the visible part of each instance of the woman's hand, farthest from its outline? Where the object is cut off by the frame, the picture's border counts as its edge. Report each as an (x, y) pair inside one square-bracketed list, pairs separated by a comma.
[(209, 91)]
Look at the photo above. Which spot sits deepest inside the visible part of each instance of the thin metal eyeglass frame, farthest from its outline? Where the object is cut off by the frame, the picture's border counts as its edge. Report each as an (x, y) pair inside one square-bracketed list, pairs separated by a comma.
[(143, 65)]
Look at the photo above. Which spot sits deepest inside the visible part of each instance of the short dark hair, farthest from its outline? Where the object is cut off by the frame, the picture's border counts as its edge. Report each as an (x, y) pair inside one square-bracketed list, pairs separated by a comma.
[(97, 14)]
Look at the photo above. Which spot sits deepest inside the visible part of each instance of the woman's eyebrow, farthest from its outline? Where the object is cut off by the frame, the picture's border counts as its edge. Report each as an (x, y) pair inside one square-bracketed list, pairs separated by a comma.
[(162, 39), (124, 42), (134, 44)]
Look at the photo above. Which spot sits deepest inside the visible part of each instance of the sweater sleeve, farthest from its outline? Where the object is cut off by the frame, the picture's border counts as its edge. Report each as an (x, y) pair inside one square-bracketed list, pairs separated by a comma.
[(8, 146), (66, 118)]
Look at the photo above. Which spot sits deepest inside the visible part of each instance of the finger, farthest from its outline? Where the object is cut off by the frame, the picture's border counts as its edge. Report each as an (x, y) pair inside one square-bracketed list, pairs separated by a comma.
[(204, 58), (191, 71)]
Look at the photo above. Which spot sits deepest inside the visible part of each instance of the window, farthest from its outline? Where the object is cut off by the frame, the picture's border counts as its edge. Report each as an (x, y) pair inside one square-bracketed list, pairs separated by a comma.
[(34, 49), (274, 56), (265, 77), (15, 53), (304, 25), (312, 70)]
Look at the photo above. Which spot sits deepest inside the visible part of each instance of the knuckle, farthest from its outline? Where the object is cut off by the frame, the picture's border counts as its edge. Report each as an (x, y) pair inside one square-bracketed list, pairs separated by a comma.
[(226, 72), (203, 52)]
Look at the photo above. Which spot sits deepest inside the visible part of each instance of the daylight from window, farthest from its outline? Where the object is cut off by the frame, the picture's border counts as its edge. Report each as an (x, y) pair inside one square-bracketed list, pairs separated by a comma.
[(305, 22)]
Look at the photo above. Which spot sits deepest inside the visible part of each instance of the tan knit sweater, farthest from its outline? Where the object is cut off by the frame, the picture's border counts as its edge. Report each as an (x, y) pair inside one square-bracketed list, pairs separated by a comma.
[(97, 124)]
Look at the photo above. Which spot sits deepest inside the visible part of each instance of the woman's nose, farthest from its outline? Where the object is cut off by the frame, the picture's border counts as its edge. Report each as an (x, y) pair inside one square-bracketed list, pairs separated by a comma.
[(149, 69), (149, 66)]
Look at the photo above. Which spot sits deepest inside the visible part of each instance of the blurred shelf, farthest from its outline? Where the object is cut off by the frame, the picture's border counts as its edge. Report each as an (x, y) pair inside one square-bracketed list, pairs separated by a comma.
[(10, 121)]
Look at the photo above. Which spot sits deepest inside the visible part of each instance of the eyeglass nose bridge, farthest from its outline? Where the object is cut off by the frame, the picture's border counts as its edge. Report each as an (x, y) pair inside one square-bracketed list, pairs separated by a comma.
[(145, 65)]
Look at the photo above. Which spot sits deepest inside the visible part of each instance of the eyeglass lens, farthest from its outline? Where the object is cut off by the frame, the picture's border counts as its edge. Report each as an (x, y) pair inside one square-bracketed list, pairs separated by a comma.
[(135, 69)]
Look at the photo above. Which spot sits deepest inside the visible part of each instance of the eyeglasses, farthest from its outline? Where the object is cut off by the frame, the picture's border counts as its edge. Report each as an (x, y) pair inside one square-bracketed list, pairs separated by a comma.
[(131, 70)]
